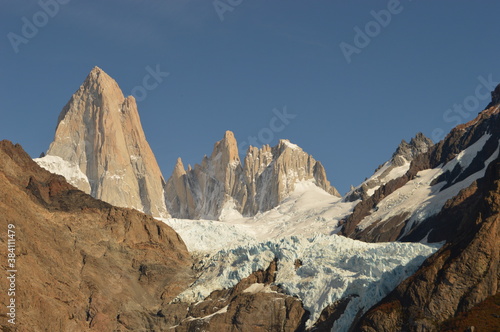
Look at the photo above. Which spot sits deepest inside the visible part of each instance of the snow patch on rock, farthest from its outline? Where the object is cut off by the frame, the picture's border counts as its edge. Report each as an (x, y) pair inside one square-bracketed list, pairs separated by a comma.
[(70, 171)]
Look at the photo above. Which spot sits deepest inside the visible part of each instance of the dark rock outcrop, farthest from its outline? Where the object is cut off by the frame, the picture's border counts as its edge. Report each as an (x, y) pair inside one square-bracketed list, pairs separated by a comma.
[(406, 152), (330, 314), (254, 304)]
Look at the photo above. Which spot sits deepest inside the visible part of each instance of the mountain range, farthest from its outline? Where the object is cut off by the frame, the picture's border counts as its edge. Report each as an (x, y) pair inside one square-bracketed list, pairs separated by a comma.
[(267, 244)]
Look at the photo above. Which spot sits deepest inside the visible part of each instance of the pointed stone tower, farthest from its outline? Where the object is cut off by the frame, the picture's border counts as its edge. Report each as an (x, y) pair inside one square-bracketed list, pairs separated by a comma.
[(99, 131)]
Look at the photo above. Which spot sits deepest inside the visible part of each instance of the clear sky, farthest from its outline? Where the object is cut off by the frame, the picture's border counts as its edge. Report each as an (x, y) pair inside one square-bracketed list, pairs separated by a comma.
[(357, 76)]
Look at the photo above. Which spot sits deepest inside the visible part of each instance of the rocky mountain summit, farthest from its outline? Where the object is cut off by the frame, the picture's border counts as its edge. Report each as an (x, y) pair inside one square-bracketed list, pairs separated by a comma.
[(406, 152), (99, 133), (222, 185), (100, 147)]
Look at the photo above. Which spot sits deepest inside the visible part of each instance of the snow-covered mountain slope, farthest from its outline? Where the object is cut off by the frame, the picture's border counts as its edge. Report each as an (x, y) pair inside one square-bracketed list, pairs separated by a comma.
[(383, 175), (421, 197), (392, 169), (70, 171), (330, 268), (202, 236), (403, 205), (309, 210), (455, 289)]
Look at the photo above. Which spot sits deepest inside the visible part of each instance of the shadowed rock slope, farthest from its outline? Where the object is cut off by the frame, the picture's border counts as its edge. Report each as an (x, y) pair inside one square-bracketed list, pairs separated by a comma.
[(82, 264)]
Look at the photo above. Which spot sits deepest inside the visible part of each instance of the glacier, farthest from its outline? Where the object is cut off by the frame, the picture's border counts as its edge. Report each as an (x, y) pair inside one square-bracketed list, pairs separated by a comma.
[(303, 227), (333, 267)]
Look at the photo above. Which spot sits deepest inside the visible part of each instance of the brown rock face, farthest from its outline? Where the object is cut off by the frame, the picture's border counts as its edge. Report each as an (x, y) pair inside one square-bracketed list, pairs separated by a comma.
[(459, 277), (82, 265), (267, 177), (483, 317), (100, 132), (252, 305)]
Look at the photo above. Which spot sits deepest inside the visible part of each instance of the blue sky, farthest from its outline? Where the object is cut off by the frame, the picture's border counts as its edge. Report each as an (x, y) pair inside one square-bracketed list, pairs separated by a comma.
[(230, 67)]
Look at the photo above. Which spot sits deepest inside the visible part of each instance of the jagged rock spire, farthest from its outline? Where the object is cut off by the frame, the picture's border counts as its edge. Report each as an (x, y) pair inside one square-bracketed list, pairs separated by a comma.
[(268, 176), (99, 130)]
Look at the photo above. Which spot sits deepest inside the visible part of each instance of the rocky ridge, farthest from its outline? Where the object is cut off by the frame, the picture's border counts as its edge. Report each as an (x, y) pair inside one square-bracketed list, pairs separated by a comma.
[(393, 168), (459, 277), (221, 183), (463, 153)]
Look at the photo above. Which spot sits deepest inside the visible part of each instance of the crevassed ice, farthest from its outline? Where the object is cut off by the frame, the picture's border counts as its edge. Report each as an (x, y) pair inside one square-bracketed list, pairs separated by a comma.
[(333, 267)]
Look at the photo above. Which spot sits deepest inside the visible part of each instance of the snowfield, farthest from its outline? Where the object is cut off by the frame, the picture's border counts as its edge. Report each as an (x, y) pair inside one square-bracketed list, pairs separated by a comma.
[(308, 211), (383, 175)]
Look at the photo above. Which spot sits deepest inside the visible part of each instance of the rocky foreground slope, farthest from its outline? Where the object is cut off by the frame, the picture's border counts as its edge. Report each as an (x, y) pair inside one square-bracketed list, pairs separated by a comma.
[(82, 264)]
